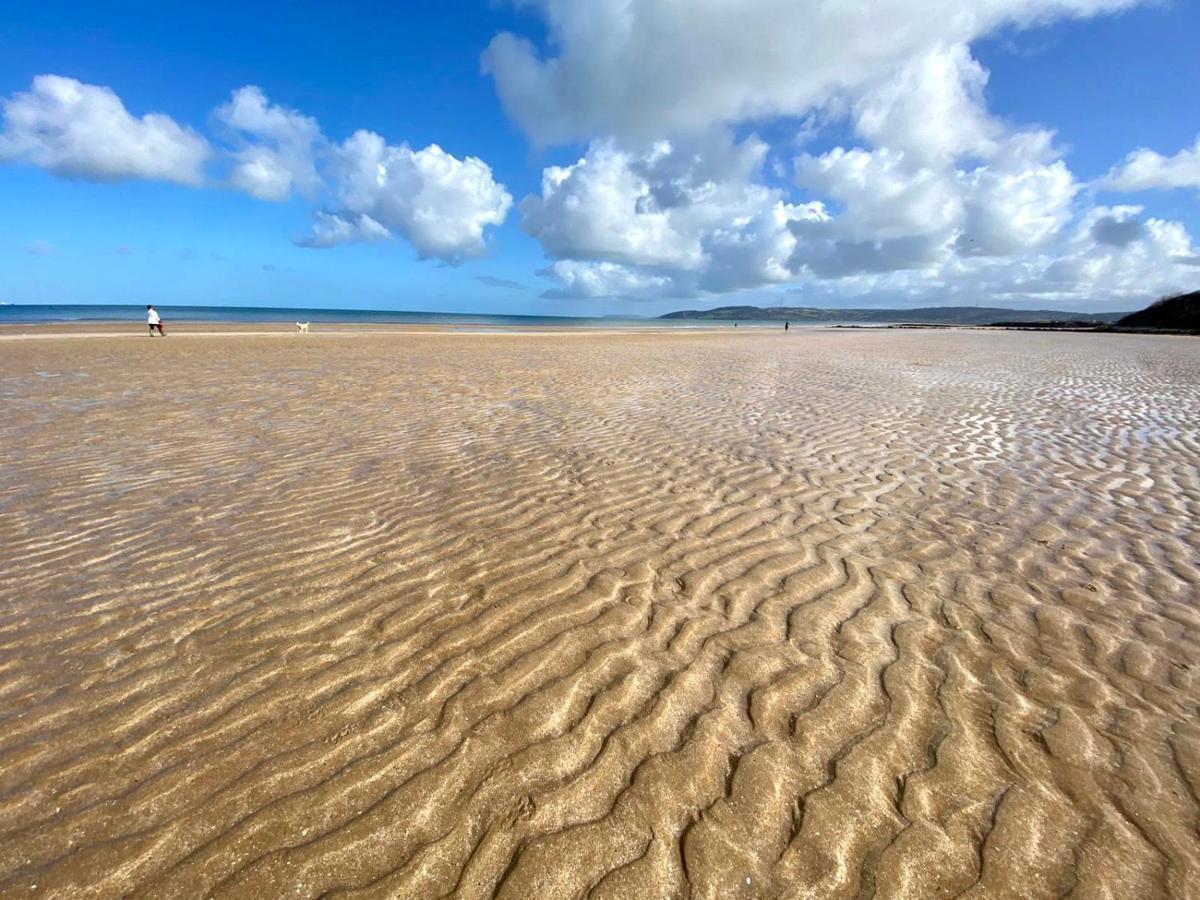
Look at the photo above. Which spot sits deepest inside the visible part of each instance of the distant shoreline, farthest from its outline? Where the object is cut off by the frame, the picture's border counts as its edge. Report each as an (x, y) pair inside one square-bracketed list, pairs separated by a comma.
[(928, 315), (1176, 314), (128, 316)]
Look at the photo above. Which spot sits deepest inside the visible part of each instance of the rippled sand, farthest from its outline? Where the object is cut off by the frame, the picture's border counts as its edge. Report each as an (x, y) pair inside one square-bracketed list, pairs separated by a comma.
[(912, 614)]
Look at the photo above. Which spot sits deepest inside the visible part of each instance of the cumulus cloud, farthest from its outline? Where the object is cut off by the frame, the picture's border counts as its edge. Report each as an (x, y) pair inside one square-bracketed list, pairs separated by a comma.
[(654, 68), (933, 200), (1088, 267), (930, 109), (1012, 210), (600, 206), (692, 216), (275, 156), (1004, 191), (699, 213), (1005, 233), (670, 218), (83, 131), (942, 171), (437, 202), (1017, 241), (650, 206), (884, 195), (1145, 170), (579, 279)]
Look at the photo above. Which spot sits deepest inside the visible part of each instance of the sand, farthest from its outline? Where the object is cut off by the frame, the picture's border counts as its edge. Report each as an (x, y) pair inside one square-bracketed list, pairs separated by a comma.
[(831, 614)]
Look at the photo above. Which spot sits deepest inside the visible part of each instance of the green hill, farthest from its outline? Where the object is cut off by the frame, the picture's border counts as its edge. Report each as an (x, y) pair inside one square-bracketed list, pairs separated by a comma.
[(930, 315), (1178, 313)]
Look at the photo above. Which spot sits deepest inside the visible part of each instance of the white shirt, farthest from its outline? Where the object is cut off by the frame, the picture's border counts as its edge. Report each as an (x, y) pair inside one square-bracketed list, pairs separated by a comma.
[(152, 317)]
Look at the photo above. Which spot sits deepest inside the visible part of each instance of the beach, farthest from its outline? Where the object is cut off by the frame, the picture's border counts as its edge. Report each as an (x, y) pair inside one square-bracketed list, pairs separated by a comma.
[(836, 613)]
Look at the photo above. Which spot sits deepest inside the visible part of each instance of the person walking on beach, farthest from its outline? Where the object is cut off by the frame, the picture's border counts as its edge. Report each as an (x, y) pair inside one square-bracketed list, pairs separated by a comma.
[(154, 321), (786, 325)]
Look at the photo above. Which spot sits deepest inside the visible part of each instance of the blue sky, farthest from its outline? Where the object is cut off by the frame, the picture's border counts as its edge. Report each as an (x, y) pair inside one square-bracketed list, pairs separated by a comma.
[(778, 155)]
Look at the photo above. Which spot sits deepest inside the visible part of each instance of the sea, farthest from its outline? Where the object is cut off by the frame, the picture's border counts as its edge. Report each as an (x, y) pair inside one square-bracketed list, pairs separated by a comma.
[(29, 314)]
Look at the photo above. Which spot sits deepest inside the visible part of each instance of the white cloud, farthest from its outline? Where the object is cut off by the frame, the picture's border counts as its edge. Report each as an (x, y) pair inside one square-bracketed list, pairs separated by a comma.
[(939, 201), (694, 214), (1145, 170), (884, 196), (1010, 240), (40, 248), (83, 131), (1014, 209), (439, 203), (277, 145), (667, 218), (604, 207), (927, 211), (755, 249), (930, 109), (942, 169), (330, 229), (1078, 272), (645, 69), (1126, 272), (604, 279)]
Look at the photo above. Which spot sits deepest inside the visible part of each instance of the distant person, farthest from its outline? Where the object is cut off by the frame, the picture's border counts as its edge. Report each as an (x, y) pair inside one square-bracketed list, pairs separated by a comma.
[(154, 321), (786, 325)]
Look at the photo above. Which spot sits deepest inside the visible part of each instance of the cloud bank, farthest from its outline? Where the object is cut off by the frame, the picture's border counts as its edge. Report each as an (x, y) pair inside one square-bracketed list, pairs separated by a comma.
[(370, 190), (926, 197), (655, 68), (934, 200)]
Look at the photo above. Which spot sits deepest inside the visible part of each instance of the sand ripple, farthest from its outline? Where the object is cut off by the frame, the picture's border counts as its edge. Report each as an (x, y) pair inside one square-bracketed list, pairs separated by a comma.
[(830, 615)]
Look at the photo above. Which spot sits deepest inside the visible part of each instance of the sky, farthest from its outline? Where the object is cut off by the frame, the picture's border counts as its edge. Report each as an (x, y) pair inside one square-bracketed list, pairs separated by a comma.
[(591, 157)]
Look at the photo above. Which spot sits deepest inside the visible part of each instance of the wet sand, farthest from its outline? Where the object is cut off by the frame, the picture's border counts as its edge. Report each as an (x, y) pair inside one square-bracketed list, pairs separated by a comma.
[(831, 614)]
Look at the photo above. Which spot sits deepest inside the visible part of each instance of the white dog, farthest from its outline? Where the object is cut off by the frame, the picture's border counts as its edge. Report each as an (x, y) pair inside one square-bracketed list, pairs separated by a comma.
[(302, 326)]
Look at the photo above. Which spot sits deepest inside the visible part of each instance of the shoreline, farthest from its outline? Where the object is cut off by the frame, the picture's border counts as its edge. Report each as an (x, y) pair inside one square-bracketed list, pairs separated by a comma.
[(41, 331), (10, 331), (44, 330)]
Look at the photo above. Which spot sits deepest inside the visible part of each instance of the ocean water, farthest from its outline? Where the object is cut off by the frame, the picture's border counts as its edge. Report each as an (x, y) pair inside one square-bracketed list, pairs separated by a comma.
[(21, 314)]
